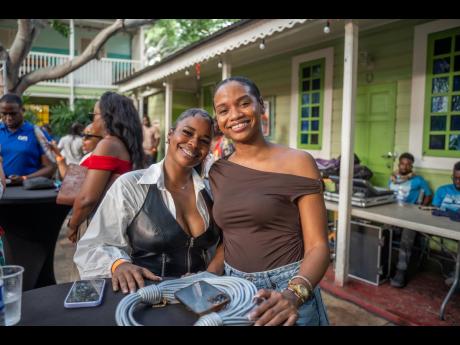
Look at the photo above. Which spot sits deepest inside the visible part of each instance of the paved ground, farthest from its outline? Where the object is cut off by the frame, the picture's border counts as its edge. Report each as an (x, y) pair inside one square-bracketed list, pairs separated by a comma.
[(340, 312)]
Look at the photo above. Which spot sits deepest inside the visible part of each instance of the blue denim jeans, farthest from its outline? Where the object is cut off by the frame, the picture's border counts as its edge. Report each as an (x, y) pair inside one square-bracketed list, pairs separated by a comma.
[(311, 313)]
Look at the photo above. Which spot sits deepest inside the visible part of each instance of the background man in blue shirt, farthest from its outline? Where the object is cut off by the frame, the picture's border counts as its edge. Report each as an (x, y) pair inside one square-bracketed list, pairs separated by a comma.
[(409, 187), (447, 197), (23, 156)]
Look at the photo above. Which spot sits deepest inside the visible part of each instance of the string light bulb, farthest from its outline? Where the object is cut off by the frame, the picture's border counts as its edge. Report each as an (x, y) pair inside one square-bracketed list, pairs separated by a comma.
[(164, 84), (262, 45), (327, 28), (187, 72), (219, 64)]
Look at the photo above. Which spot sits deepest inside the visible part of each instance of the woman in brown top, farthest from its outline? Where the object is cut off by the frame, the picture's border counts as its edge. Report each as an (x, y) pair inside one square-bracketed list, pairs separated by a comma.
[(268, 202)]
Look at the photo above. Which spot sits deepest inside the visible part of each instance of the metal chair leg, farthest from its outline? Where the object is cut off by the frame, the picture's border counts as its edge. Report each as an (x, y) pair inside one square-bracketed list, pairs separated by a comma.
[(454, 285)]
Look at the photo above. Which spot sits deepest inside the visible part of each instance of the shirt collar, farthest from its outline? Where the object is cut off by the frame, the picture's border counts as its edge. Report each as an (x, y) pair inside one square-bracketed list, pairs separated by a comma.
[(25, 126), (155, 175)]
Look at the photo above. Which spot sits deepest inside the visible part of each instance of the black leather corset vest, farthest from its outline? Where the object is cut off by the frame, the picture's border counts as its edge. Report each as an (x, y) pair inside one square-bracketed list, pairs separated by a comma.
[(160, 244)]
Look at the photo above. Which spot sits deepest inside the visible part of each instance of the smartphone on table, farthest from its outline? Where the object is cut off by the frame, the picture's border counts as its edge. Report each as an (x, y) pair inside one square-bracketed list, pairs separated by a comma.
[(202, 297), (85, 293)]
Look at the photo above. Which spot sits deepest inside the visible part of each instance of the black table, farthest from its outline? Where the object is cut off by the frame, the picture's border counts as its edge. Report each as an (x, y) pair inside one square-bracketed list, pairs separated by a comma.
[(32, 221), (45, 307)]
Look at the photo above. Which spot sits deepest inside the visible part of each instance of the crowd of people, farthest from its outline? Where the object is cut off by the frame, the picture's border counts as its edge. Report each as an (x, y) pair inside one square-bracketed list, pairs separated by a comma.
[(222, 199)]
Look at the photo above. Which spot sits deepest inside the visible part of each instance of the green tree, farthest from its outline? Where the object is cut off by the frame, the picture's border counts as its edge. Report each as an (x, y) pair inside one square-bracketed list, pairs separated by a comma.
[(169, 35), (62, 117)]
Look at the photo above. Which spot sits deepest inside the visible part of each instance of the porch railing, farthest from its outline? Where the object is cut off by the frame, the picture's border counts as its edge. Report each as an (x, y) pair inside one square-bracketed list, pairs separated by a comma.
[(96, 73)]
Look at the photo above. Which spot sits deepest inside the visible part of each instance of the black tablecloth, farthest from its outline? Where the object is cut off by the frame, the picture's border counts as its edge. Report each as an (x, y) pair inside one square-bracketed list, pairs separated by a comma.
[(32, 221), (45, 307), (19, 195)]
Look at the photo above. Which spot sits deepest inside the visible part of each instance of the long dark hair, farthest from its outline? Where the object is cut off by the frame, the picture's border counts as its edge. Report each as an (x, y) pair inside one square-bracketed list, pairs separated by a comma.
[(122, 121)]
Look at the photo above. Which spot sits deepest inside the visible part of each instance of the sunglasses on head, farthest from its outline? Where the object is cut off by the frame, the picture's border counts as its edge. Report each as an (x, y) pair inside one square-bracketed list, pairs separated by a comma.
[(91, 115), (89, 136)]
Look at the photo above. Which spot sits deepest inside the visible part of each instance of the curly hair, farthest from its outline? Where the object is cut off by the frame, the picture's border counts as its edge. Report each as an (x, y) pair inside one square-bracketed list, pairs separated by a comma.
[(457, 166), (407, 155), (122, 121)]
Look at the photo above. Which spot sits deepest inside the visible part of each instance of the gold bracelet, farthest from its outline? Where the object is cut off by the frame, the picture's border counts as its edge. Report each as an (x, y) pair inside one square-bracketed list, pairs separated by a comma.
[(306, 280), (300, 297)]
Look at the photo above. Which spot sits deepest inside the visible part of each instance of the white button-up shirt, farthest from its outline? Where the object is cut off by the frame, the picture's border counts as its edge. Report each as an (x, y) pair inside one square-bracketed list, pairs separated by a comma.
[(106, 239)]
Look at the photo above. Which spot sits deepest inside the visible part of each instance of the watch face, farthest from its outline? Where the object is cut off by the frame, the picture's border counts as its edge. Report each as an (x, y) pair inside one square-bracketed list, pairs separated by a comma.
[(301, 290)]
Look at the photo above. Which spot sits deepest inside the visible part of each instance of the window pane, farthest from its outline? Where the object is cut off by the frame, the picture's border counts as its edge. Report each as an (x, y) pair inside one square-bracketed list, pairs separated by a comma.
[(306, 112), (454, 142), (304, 138), (315, 111), (456, 83), (442, 46), (440, 85), (455, 123), (439, 104), (457, 63), (315, 98), (457, 43), (306, 72), (306, 85), (314, 139), (437, 142), (305, 99), (455, 103), (316, 71), (314, 126), (441, 65), (438, 123), (316, 83), (305, 125)]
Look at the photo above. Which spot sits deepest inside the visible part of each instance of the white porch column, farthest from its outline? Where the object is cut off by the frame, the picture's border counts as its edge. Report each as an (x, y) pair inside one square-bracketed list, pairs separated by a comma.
[(140, 100), (5, 78), (71, 56), (168, 109), (226, 68), (347, 148), (142, 46)]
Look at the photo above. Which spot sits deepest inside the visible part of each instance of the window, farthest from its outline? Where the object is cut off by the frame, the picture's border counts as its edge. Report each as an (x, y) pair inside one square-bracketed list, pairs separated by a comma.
[(311, 100), (442, 95)]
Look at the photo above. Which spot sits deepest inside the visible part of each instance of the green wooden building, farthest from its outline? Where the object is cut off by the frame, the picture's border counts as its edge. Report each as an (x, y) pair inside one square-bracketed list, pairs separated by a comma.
[(407, 96)]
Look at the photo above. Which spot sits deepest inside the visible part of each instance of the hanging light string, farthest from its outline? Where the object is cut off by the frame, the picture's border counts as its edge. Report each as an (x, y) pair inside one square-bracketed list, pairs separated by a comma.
[(241, 292), (327, 28)]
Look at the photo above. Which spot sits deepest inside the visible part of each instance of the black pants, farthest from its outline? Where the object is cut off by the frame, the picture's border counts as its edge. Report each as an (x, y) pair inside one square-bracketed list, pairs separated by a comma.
[(405, 248)]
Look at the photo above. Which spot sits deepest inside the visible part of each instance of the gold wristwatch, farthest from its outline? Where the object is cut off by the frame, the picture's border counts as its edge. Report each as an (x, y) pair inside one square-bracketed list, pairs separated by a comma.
[(301, 291)]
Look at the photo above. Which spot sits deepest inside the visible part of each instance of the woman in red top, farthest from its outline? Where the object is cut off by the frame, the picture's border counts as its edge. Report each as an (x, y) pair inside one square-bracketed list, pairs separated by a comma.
[(118, 152)]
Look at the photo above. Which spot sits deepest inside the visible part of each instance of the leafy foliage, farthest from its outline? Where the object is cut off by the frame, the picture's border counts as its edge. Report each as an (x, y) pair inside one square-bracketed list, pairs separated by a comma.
[(62, 117), (170, 35), (60, 27), (29, 114)]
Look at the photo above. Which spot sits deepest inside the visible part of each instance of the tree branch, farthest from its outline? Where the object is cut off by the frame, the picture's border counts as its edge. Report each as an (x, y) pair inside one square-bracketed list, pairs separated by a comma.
[(89, 53), (28, 29)]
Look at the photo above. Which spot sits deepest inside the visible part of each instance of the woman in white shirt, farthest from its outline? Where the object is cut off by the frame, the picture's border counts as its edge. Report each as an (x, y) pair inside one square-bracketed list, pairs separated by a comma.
[(155, 222)]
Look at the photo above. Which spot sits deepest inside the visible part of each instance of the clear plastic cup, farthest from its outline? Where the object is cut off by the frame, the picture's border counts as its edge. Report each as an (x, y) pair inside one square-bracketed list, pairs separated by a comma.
[(12, 292)]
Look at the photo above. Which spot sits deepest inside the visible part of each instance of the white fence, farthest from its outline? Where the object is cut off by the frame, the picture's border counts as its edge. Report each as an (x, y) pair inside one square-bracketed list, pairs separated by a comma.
[(96, 73)]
